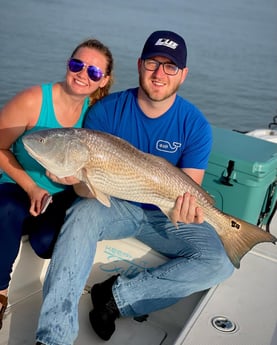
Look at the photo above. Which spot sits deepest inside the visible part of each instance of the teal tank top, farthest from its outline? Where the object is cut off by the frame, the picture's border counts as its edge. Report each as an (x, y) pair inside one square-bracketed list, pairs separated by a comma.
[(47, 119)]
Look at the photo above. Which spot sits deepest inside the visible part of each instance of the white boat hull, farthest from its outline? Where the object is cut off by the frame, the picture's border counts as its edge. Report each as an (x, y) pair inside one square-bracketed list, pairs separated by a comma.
[(264, 134)]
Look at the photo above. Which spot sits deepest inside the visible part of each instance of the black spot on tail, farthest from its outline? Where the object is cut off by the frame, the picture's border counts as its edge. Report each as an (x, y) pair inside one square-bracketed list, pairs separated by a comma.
[(235, 224)]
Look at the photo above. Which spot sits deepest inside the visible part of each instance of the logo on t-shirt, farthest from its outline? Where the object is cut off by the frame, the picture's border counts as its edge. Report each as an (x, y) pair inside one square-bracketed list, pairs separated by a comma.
[(166, 146)]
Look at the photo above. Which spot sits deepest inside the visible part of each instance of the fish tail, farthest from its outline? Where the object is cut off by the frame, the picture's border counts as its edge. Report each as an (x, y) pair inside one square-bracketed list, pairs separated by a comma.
[(244, 237)]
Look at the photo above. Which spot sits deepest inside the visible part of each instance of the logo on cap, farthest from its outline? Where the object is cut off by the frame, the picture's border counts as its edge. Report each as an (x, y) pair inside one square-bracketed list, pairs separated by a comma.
[(167, 43)]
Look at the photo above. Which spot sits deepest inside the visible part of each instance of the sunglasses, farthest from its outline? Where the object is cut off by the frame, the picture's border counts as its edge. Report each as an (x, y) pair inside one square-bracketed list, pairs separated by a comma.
[(76, 65)]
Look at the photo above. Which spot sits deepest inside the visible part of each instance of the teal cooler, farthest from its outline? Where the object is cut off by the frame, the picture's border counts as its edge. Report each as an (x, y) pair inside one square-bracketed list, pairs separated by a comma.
[(242, 176)]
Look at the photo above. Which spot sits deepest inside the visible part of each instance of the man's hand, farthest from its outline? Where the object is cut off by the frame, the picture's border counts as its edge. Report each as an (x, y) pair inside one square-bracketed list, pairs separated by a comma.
[(187, 211), (68, 180)]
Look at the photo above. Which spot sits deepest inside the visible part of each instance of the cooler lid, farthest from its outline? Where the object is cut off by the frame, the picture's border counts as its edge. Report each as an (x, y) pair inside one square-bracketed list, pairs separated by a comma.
[(250, 154)]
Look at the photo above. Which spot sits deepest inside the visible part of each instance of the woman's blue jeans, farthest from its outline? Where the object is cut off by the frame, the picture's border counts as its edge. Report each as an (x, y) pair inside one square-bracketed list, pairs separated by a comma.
[(197, 261), (15, 221)]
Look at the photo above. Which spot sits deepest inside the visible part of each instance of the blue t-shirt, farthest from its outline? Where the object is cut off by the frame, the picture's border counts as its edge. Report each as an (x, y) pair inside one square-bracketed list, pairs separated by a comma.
[(182, 135)]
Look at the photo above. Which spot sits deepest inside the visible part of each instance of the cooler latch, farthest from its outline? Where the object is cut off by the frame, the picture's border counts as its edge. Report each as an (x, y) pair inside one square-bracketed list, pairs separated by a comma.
[(227, 174)]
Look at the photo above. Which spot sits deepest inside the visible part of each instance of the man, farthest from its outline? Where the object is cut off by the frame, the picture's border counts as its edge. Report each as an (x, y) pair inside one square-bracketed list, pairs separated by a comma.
[(155, 119)]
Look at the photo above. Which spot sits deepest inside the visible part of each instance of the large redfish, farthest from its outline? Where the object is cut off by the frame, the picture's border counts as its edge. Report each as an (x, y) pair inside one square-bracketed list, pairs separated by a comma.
[(110, 166)]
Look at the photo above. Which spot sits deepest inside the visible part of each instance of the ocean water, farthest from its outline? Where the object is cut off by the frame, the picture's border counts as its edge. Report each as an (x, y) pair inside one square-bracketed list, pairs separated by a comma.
[(232, 48)]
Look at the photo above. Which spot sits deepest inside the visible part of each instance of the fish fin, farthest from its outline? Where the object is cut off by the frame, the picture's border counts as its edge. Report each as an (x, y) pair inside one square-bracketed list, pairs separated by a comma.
[(170, 216), (102, 197), (83, 190), (96, 193), (244, 236)]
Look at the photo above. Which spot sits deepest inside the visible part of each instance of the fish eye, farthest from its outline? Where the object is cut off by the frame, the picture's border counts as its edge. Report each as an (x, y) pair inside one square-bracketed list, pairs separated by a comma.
[(41, 140)]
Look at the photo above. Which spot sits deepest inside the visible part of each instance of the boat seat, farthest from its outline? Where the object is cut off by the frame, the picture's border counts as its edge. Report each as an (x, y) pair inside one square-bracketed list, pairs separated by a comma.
[(125, 257)]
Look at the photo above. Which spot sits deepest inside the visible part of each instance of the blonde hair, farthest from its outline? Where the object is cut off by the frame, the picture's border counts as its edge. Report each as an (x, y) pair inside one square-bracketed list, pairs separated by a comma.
[(96, 44)]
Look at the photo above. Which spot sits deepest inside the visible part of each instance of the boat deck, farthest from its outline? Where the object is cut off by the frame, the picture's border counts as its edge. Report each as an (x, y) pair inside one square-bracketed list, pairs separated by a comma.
[(243, 309), (25, 298)]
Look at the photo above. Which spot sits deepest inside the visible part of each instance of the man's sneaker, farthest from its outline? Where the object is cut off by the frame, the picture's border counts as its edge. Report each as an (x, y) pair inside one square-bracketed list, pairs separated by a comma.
[(105, 312)]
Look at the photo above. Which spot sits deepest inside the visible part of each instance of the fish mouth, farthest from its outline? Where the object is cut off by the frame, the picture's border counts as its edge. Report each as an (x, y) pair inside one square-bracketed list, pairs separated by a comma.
[(32, 153)]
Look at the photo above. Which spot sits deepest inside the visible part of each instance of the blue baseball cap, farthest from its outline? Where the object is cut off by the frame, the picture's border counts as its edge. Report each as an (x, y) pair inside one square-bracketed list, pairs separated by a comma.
[(167, 44)]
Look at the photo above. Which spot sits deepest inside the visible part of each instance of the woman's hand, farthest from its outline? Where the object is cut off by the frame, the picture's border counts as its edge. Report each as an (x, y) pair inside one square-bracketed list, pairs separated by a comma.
[(68, 180), (187, 211), (36, 196)]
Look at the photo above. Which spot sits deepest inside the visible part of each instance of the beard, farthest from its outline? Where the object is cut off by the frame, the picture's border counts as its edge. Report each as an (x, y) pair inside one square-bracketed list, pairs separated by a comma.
[(153, 96)]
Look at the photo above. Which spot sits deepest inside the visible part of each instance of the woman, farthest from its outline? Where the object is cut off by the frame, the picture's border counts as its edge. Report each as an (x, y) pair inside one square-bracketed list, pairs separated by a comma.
[(24, 186)]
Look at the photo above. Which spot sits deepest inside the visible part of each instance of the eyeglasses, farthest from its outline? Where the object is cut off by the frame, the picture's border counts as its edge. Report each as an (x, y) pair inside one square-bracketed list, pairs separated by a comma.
[(94, 73), (153, 65)]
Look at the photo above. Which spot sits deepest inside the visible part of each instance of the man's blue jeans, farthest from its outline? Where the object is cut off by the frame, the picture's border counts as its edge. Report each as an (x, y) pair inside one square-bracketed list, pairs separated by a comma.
[(197, 261)]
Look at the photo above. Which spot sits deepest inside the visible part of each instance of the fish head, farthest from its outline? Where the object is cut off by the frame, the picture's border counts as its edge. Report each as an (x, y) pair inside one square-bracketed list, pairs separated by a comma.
[(60, 151)]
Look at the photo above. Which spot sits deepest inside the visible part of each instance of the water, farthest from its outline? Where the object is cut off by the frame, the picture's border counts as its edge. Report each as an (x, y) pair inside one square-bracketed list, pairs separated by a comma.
[(232, 48)]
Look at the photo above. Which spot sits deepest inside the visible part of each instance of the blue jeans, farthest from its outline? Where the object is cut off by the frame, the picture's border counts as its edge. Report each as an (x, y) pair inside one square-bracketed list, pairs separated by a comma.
[(197, 262), (15, 221)]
